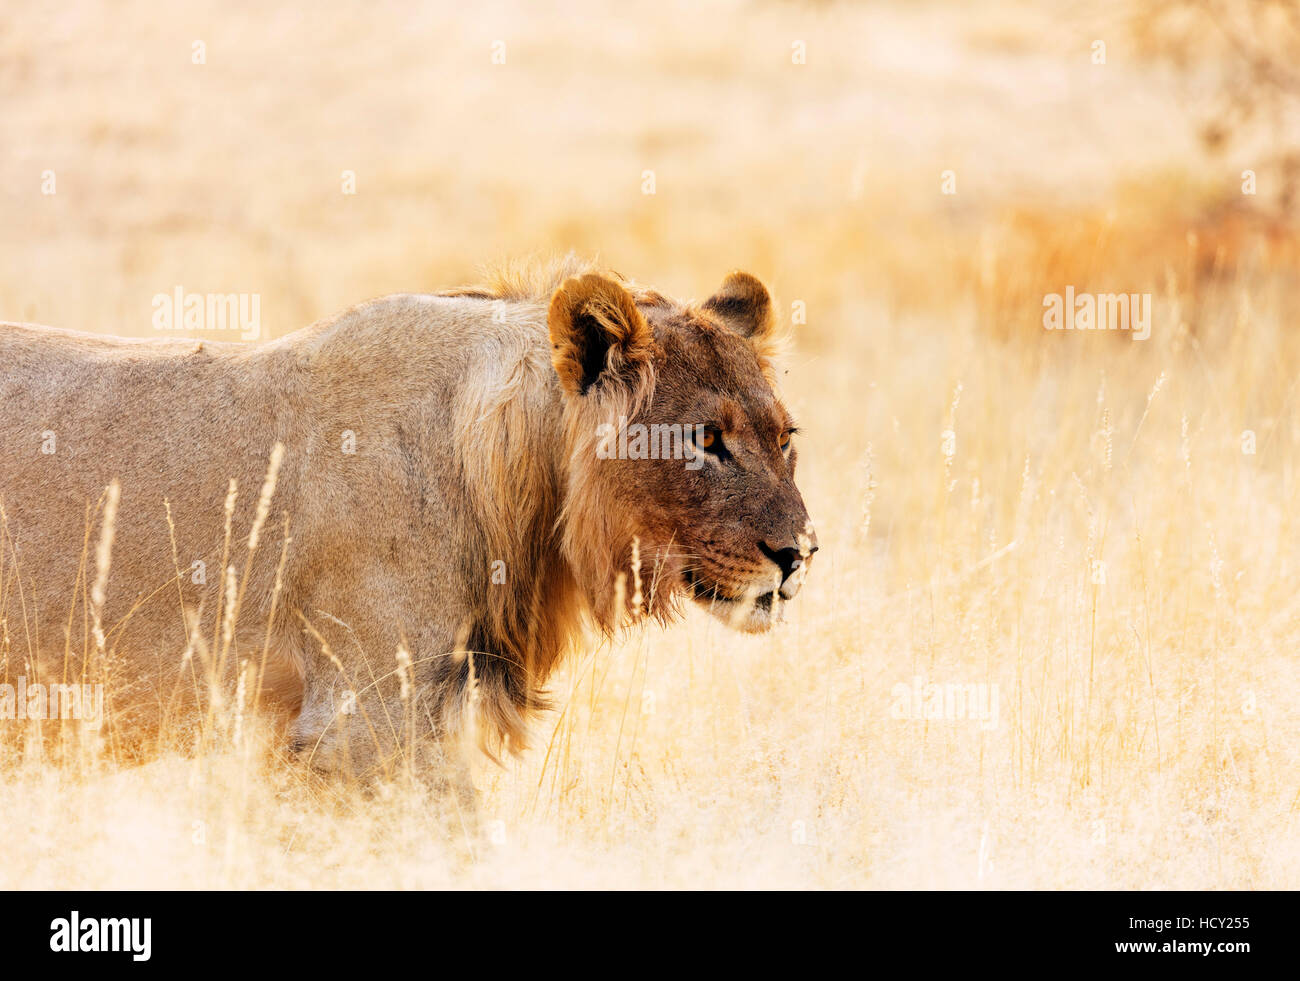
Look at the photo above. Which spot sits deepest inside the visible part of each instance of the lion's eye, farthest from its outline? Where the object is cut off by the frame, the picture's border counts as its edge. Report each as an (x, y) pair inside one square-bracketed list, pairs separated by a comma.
[(785, 439), (710, 438)]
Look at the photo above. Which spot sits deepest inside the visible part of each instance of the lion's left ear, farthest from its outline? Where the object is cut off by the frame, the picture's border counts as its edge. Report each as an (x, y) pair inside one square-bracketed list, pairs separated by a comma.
[(744, 305)]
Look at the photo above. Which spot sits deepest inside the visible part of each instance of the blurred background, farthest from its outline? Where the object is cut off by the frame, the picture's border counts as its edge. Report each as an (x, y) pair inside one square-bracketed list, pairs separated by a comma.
[(1100, 526), (205, 144)]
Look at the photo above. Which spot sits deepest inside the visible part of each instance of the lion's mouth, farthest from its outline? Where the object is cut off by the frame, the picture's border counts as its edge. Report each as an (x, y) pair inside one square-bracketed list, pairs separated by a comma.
[(714, 593), (750, 611)]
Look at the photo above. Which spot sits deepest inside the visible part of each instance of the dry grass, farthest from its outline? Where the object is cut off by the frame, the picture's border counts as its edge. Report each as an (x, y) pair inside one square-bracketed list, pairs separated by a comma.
[(1147, 725)]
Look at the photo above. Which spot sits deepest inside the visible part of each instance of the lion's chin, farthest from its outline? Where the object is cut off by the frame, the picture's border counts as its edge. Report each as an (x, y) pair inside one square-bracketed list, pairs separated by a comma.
[(752, 613), (749, 618)]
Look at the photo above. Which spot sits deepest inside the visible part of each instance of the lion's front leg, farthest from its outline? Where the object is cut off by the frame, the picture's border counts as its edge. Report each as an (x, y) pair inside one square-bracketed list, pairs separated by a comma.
[(382, 733)]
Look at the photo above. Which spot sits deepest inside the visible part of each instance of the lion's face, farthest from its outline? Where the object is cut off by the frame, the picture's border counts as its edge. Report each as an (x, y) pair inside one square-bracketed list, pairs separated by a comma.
[(702, 465)]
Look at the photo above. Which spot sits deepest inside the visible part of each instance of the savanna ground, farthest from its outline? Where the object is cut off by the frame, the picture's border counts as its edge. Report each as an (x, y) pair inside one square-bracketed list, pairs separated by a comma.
[(1103, 528)]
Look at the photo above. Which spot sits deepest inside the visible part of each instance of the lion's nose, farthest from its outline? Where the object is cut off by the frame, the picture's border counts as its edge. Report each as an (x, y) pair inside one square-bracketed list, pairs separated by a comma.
[(792, 563)]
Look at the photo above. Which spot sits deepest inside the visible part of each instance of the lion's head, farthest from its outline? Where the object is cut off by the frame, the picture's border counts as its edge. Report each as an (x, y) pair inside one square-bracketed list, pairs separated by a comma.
[(679, 442)]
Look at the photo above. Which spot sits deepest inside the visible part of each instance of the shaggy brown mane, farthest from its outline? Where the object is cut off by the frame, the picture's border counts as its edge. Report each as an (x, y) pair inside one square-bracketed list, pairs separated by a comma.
[(529, 461), (536, 278)]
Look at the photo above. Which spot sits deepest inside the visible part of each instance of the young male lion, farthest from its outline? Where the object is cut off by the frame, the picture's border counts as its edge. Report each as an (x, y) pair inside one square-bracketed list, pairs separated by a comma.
[(453, 525)]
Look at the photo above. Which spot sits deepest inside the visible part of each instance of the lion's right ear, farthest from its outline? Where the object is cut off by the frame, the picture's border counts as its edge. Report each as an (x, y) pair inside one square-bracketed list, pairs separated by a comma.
[(744, 304), (598, 336)]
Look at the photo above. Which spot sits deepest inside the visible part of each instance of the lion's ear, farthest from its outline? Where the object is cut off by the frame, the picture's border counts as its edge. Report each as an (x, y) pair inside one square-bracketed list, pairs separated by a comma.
[(744, 305), (597, 334)]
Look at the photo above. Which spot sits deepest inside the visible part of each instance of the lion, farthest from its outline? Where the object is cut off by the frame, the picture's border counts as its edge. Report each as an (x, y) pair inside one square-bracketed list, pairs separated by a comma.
[(442, 521)]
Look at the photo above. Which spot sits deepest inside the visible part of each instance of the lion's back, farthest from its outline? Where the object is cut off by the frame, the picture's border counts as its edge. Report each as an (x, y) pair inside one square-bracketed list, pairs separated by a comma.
[(165, 421)]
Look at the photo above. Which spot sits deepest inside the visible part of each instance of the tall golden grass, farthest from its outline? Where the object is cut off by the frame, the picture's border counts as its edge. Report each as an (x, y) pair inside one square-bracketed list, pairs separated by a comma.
[(1102, 528)]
